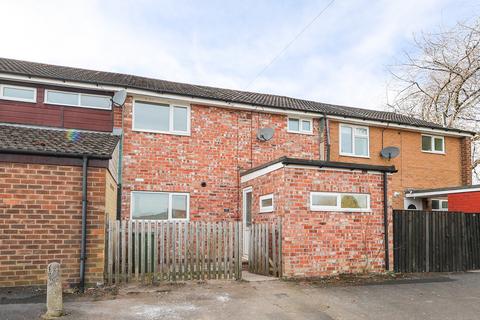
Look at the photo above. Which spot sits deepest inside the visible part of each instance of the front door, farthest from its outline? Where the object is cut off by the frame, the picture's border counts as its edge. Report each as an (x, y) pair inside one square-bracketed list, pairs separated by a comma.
[(247, 219)]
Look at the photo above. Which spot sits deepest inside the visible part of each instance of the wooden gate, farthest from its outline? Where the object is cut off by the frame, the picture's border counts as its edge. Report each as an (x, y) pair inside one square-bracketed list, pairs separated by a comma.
[(151, 251), (265, 249), (426, 241)]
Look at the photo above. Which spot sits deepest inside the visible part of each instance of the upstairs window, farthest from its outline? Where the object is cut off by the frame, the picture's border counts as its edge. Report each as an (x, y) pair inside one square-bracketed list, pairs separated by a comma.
[(328, 201), (18, 93), (434, 144), (354, 141), (160, 205), (439, 205), (161, 118), (298, 125), (75, 99)]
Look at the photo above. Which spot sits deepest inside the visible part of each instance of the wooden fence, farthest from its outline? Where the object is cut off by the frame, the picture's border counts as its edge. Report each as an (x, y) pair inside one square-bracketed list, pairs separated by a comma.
[(151, 251), (265, 249), (426, 241)]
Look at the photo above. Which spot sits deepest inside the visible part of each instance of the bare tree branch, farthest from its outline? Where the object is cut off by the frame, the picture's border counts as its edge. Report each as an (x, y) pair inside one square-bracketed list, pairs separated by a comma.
[(440, 80)]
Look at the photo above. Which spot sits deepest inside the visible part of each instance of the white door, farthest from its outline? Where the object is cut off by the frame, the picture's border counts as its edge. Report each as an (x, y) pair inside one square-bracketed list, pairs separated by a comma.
[(247, 219)]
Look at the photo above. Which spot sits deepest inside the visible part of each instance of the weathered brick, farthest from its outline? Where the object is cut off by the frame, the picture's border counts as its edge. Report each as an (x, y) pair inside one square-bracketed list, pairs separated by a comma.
[(324, 243), (38, 230)]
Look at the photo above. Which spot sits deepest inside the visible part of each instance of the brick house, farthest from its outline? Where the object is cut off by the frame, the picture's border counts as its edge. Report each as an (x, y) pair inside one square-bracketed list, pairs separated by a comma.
[(185, 149), (303, 192), (41, 189)]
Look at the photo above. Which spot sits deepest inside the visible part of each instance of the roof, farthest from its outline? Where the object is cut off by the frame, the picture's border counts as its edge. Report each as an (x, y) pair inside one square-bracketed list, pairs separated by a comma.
[(442, 191), (322, 164), (26, 68), (57, 142)]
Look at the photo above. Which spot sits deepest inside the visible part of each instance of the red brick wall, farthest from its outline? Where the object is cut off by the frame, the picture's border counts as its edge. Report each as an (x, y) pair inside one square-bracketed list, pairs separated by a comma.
[(464, 202), (416, 169), (325, 243), (466, 160), (274, 183), (40, 222), (222, 141)]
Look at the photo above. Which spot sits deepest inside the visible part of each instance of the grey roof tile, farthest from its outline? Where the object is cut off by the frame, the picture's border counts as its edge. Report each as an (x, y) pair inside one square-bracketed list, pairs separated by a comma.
[(27, 68), (36, 140)]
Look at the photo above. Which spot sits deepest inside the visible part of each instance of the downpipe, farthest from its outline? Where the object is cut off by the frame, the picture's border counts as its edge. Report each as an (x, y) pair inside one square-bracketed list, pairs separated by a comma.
[(83, 255), (385, 219)]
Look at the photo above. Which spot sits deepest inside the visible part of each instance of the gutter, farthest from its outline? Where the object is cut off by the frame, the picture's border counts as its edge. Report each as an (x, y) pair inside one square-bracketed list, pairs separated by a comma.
[(56, 154), (337, 165), (285, 161), (440, 192)]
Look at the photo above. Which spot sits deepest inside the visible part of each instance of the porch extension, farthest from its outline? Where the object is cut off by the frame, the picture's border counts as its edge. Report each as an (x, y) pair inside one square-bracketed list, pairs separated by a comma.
[(333, 214)]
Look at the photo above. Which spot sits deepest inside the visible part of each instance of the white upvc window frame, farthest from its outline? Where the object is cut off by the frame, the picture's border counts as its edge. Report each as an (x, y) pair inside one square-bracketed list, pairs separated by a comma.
[(170, 196), (432, 144), (440, 201), (353, 140), (34, 100), (170, 118), (338, 207), (267, 208), (300, 128), (79, 100)]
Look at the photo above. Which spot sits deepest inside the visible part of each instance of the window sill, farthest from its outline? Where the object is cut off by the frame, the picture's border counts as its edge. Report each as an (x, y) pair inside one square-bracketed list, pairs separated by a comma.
[(160, 220), (341, 210), (434, 152), (19, 100), (186, 134), (75, 106), (266, 211), (300, 132), (353, 156)]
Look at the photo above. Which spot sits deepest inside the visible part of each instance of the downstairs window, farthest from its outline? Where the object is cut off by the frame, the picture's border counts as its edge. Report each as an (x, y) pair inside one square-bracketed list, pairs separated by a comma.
[(160, 205), (266, 203), (329, 201), (439, 205)]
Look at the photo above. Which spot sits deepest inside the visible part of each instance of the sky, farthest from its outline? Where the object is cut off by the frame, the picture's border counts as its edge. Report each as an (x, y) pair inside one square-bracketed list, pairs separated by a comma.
[(342, 58)]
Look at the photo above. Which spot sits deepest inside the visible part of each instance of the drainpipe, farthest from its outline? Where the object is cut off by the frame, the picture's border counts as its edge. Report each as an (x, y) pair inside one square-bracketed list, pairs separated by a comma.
[(327, 128), (83, 256), (385, 218), (119, 178)]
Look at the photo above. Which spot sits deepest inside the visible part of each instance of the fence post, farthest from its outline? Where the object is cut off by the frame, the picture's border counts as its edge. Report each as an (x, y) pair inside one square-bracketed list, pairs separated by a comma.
[(110, 252), (130, 245), (280, 254), (155, 252), (123, 276), (427, 241)]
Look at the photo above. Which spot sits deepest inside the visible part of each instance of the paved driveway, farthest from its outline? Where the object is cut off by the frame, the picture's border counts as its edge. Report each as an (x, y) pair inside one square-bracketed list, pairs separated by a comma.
[(455, 296)]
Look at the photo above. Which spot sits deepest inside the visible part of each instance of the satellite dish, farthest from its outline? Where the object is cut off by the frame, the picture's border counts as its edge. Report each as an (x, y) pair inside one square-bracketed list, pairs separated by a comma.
[(390, 152), (119, 98), (265, 134)]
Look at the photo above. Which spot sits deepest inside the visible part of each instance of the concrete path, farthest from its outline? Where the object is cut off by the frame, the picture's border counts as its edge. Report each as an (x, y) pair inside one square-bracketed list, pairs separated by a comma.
[(454, 296)]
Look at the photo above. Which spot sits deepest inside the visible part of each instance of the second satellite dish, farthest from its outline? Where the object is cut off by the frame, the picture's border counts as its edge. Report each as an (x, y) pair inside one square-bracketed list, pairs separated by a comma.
[(390, 152), (119, 98), (265, 134)]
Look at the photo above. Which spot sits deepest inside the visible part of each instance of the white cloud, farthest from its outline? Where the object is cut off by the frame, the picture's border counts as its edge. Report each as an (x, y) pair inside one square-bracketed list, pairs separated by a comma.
[(340, 59)]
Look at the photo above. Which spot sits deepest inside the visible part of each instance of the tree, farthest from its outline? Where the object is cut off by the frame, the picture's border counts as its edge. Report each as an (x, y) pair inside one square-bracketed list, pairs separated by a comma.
[(440, 81)]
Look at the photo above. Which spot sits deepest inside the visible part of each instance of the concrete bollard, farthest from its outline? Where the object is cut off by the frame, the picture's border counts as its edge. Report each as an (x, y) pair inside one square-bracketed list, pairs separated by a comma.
[(54, 292)]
